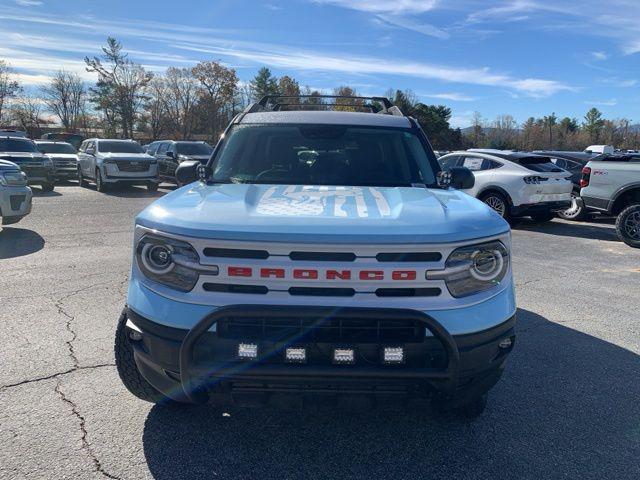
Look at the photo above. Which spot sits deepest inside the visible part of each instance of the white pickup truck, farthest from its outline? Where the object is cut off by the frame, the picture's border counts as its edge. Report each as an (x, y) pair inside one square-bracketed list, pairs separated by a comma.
[(614, 188)]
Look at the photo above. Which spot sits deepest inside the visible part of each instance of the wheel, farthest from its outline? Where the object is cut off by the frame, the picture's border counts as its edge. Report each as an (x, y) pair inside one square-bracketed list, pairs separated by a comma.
[(497, 202), (628, 225), (152, 187), (81, 180), (127, 369), (47, 187), (474, 408), (576, 211), (542, 217), (100, 185)]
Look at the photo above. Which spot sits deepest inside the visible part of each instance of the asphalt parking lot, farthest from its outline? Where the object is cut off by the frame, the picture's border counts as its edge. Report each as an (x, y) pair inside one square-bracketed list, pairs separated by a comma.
[(567, 407)]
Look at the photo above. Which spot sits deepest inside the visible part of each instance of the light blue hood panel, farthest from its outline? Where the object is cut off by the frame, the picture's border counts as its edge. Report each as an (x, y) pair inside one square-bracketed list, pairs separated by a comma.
[(317, 214)]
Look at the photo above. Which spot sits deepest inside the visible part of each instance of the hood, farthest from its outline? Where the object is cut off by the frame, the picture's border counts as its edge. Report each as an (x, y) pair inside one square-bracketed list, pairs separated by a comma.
[(63, 156), (8, 166), (200, 158), (127, 156), (311, 214), (18, 157)]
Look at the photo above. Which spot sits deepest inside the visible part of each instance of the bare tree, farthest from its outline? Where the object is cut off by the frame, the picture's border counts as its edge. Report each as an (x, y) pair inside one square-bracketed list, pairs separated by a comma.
[(9, 87), (65, 97), (182, 93), (27, 112), (119, 92), (156, 114)]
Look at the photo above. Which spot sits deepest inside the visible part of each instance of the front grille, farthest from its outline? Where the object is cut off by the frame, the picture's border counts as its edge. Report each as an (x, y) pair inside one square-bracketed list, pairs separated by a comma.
[(235, 253), (322, 330), (409, 257), (36, 172), (16, 201), (127, 166), (64, 163)]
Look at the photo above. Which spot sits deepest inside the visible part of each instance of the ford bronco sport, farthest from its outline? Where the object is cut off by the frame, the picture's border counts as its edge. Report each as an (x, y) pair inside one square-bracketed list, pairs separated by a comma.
[(319, 253)]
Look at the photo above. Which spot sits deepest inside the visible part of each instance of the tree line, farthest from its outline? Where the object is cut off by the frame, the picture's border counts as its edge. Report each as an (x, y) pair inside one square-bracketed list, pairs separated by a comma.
[(129, 101)]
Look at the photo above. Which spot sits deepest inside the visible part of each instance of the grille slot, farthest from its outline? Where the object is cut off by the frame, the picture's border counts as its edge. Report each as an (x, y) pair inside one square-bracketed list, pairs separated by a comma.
[(322, 330), (235, 253), (16, 201), (408, 292), (409, 257), (322, 291), (230, 288), (323, 256)]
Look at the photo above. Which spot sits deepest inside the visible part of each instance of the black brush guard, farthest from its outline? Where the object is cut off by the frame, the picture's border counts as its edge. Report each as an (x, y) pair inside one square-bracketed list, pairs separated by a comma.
[(444, 380)]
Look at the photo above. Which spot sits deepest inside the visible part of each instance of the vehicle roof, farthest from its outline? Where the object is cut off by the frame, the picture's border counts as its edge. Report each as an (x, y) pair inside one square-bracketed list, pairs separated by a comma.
[(327, 118), (504, 154), (57, 142), (15, 138), (96, 139)]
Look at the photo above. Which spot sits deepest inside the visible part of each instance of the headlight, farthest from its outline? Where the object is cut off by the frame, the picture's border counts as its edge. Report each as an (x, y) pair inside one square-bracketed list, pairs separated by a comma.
[(13, 179), (170, 262), (474, 268)]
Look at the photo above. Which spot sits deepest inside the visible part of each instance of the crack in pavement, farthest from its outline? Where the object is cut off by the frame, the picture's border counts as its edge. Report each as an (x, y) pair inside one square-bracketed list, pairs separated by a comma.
[(54, 375), (86, 446)]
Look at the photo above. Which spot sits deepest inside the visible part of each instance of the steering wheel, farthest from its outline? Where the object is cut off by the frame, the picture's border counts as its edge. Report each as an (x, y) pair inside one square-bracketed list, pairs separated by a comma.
[(272, 172)]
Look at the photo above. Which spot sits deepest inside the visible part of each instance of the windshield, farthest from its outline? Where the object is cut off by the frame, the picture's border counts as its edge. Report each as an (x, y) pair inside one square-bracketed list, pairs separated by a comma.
[(538, 164), (119, 147), (323, 155), (56, 148), (194, 149), (17, 145)]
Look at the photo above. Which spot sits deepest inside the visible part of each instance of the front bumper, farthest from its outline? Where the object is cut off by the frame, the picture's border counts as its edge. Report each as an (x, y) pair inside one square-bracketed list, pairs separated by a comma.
[(15, 203), (66, 173), (192, 365), (539, 208)]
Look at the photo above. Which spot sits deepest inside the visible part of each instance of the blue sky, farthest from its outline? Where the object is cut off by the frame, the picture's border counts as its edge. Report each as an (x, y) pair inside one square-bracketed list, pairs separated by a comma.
[(525, 58)]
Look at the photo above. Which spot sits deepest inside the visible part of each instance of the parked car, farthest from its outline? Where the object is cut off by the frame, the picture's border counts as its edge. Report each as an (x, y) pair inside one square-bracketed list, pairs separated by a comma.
[(15, 195), (515, 184), (573, 162), (318, 252), (64, 157), (110, 162), (10, 132), (171, 153), (24, 153), (613, 188)]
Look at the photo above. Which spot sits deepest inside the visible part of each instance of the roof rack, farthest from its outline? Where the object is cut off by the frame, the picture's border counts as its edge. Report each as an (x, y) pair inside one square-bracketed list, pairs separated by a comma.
[(271, 103)]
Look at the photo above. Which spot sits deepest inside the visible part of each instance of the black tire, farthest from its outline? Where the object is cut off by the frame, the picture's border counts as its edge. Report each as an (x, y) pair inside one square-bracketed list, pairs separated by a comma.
[(474, 408), (575, 212), (127, 369), (498, 202), (628, 225), (152, 186), (47, 187), (543, 217), (81, 180), (100, 185)]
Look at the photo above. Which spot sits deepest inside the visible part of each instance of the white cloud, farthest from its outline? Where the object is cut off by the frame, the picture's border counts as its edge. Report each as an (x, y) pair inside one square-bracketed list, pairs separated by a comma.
[(395, 7), (84, 38), (308, 60), (29, 3), (619, 82), (409, 23), (599, 55), (602, 103), (453, 96)]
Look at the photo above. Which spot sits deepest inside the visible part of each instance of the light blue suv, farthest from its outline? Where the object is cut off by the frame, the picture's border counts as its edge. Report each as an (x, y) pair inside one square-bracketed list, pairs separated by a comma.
[(319, 253)]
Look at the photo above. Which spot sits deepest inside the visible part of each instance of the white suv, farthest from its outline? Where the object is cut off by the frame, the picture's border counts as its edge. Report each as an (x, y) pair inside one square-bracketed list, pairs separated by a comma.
[(515, 184), (108, 162)]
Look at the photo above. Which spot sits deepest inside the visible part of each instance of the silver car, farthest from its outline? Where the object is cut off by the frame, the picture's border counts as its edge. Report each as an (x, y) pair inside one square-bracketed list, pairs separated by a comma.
[(15, 195), (109, 162), (64, 157)]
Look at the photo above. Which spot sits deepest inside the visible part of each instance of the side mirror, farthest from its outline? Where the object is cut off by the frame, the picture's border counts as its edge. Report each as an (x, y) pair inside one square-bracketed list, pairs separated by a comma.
[(170, 154), (460, 178), (187, 172)]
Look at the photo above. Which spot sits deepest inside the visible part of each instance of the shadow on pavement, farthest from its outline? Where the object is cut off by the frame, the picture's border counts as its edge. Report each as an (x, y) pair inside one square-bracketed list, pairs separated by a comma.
[(17, 242), (37, 192), (567, 407), (126, 191), (603, 229)]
